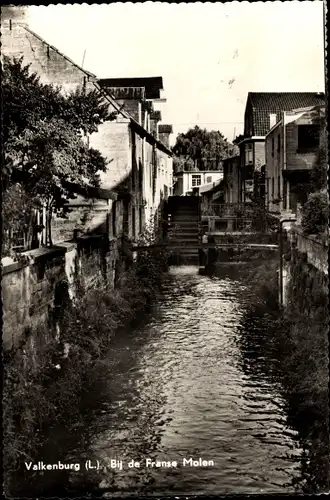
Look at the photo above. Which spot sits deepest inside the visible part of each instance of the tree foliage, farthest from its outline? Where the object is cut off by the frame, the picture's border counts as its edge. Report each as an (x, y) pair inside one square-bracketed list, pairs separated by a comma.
[(202, 148), (315, 214), (45, 137)]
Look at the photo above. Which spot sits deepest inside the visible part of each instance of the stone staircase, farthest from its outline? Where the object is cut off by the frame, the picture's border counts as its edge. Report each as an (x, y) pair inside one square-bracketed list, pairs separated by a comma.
[(183, 230)]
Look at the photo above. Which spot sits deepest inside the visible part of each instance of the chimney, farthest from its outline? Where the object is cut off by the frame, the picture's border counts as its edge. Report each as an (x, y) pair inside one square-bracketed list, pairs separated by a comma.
[(130, 98), (155, 117), (164, 134), (14, 14), (272, 120)]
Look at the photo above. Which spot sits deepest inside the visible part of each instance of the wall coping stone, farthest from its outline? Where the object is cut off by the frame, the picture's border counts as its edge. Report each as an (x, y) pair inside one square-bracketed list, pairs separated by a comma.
[(32, 256), (14, 266), (320, 239)]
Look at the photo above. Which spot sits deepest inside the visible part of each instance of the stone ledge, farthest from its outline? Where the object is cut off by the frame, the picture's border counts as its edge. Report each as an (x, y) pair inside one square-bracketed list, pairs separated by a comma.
[(13, 266), (320, 239), (44, 253)]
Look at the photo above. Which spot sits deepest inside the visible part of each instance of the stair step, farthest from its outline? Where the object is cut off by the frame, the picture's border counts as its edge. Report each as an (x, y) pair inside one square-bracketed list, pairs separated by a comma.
[(183, 230), (183, 241), (184, 217), (187, 210), (183, 237), (186, 251)]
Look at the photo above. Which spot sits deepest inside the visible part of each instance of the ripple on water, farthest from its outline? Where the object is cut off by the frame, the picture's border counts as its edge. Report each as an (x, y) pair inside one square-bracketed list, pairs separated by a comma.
[(188, 386)]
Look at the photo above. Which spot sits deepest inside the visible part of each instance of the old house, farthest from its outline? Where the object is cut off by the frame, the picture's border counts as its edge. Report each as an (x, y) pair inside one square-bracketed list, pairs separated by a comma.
[(292, 146), (231, 179), (211, 204), (263, 110), (95, 238), (187, 181), (139, 175), (142, 165)]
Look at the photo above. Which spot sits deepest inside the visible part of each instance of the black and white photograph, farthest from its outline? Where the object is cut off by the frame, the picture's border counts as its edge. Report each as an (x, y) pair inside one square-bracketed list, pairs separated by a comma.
[(165, 232)]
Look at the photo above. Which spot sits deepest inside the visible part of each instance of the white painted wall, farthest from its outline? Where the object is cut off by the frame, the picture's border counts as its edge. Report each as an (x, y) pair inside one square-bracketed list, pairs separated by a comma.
[(188, 179)]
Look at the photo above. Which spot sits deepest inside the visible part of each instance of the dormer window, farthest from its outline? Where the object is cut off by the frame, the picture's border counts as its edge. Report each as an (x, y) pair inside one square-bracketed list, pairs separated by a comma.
[(248, 154)]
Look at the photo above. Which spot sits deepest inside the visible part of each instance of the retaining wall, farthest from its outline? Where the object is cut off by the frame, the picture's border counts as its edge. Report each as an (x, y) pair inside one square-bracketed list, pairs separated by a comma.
[(35, 286)]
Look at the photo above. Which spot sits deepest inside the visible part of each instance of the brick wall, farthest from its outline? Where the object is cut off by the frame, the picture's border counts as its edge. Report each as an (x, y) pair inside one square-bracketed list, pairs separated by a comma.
[(131, 106)]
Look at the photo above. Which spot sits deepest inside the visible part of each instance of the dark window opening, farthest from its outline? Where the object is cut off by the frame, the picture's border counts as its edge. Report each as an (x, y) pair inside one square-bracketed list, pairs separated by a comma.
[(134, 164), (273, 146), (140, 176), (125, 218), (114, 229), (133, 223), (278, 143), (285, 193), (140, 219), (308, 137)]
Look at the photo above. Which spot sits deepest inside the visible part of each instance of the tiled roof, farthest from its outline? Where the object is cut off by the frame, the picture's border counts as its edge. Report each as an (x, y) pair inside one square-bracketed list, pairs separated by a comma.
[(153, 85), (266, 103)]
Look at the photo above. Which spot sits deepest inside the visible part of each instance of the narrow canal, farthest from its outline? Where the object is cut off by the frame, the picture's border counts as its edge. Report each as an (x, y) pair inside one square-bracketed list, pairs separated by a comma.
[(188, 384)]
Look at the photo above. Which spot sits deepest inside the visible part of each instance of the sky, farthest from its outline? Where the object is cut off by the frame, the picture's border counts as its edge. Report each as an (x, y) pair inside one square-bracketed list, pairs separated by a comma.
[(209, 55)]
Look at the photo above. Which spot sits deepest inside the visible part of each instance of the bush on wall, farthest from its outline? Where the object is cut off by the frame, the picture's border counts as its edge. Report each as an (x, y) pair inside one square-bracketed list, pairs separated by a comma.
[(315, 213)]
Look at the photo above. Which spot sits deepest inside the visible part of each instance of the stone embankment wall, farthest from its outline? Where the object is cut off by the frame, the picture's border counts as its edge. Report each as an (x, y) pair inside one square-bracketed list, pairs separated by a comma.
[(37, 285), (305, 270)]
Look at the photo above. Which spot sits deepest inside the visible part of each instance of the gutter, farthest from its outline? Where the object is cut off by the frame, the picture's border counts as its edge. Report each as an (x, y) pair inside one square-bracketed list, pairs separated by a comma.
[(284, 159), (252, 138)]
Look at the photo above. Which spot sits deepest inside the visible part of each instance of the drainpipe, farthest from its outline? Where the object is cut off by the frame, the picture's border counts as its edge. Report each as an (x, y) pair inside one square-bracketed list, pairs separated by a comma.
[(284, 163), (291, 219)]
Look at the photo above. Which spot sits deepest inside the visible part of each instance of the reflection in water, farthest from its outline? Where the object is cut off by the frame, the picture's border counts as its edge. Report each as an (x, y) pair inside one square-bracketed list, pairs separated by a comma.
[(190, 383)]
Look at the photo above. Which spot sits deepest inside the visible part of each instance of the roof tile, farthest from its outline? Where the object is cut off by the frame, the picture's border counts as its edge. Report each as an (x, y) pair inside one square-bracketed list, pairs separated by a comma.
[(266, 103)]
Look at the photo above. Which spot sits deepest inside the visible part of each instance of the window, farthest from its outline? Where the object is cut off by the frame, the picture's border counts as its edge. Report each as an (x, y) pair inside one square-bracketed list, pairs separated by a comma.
[(196, 180), (209, 179), (278, 187), (249, 186), (273, 187), (308, 137), (285, 193), (248, 154), (278, 143), (273, 145)]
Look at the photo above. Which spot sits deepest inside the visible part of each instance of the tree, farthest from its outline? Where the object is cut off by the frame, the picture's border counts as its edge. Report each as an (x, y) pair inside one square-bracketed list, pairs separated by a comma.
[(203, 148), (315, 210), (45, 139)]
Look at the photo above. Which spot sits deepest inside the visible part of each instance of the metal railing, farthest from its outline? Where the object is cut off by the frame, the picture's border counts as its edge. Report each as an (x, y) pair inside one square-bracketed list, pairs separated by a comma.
[(237, 210), (235, 217)]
